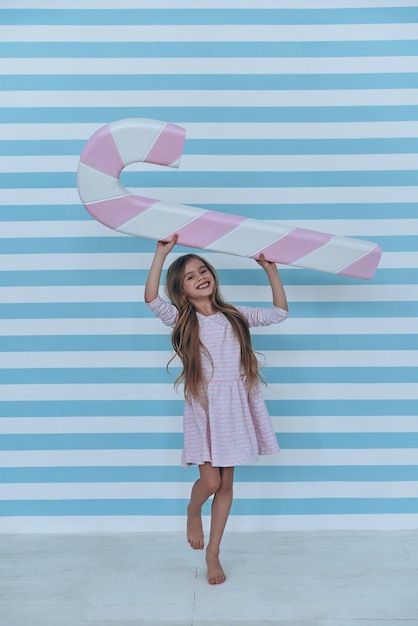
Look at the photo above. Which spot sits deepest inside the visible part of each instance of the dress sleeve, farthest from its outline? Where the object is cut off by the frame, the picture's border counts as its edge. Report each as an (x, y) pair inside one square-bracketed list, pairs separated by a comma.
[(260, 316), (164, 310)]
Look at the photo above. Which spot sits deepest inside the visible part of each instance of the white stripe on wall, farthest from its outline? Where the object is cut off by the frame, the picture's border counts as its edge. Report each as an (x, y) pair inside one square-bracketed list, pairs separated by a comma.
[(225, 98), (209, 33), (243, 196), (226, 65), (170, 458), (117, 293), (349, 228), (124, 261), (94, 491), (234, 163), (149, 359), (173, 424)]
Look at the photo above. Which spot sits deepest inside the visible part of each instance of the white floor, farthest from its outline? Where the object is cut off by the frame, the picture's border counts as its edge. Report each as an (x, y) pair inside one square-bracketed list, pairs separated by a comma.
[(132, 579)]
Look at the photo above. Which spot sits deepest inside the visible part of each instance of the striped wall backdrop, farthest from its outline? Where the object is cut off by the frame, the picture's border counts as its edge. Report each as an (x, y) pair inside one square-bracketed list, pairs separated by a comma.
[(300, 111)]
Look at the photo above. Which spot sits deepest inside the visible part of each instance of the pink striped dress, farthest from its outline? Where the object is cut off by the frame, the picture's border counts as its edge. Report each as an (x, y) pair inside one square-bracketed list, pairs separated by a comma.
[(235, 427)]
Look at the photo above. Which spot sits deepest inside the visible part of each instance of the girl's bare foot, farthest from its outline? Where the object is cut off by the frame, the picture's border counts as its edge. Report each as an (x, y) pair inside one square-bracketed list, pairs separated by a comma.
[(195, 530), (216, 575)]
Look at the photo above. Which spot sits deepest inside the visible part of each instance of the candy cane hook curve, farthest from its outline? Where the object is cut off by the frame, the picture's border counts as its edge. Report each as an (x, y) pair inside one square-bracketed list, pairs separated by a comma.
[(116, 145)]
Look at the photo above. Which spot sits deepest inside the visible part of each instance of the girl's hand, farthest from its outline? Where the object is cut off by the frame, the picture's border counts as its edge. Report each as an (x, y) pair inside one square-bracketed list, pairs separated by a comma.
[(266, 265), (279, 295), (154, 275), (165, 247)]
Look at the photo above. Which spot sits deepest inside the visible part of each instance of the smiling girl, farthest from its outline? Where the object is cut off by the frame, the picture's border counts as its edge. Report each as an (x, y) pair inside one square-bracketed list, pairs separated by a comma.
[(226, 422)]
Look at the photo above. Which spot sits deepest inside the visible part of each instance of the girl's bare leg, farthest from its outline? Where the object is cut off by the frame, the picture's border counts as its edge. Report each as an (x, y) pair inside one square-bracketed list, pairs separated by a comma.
[(208, 484), (220, 511)]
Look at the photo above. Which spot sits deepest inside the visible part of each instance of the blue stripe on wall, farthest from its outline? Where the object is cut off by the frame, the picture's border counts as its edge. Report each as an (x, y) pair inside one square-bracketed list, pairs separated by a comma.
[(132, 375), (398, 145), (32, 180), (230, 49), (81, 310), (187, 114), (128, 343), (282, 506), (207, 82), (117, 16), (103, 408), (267, 474), (43, 245)]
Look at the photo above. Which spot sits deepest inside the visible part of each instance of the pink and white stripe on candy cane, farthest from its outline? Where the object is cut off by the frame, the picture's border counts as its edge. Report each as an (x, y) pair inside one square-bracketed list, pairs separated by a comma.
[(127, 141)]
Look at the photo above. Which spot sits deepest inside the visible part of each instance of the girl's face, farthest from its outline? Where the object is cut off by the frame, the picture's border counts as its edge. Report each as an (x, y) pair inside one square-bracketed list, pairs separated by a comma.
[(198, 281)]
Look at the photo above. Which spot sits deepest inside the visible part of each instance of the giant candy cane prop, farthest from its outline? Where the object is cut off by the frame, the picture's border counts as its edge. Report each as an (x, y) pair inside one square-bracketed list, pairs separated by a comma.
[(121, 143)]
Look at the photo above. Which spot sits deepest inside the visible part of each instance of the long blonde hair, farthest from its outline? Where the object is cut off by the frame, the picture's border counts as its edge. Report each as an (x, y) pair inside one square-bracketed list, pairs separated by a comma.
[(185, 336)]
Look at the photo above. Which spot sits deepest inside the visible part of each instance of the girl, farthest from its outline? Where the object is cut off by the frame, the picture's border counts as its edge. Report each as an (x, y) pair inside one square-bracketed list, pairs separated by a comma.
[(225, 419)]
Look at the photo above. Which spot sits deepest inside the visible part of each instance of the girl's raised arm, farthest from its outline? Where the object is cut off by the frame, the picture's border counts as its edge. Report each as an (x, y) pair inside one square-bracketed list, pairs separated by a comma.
[(279, 294), (154, 275)]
